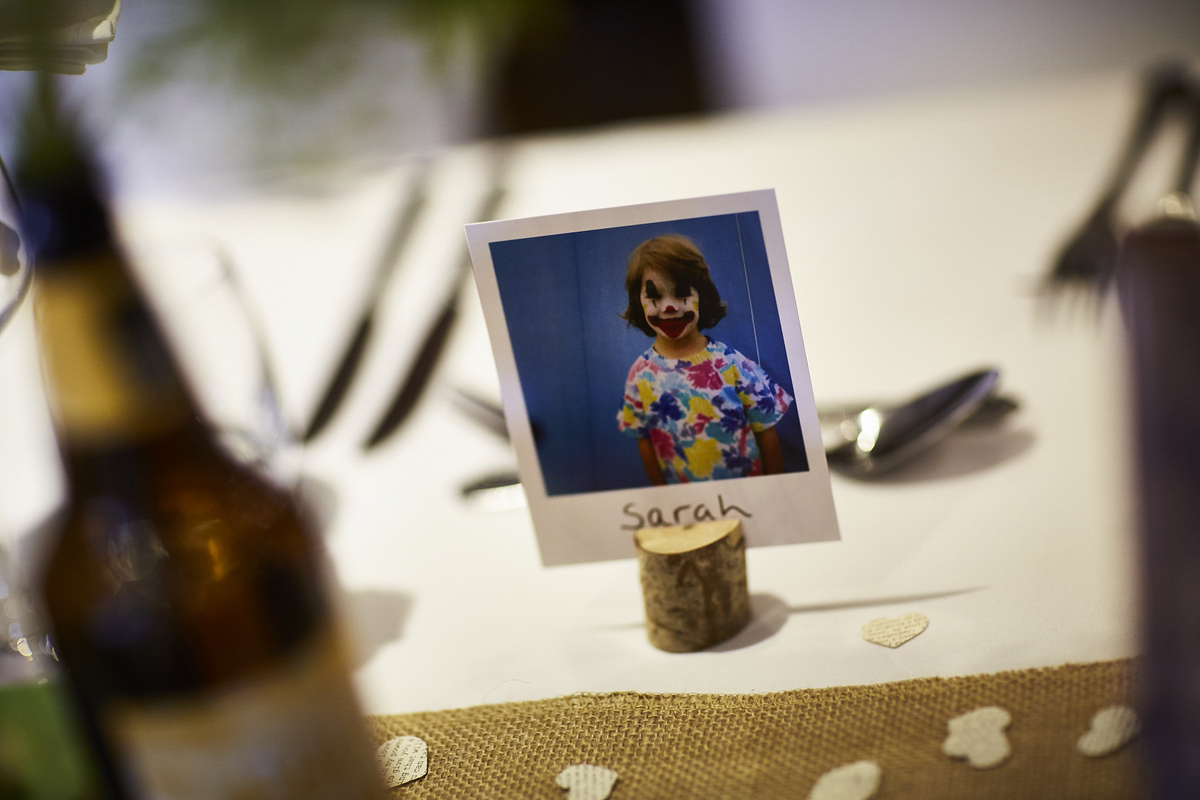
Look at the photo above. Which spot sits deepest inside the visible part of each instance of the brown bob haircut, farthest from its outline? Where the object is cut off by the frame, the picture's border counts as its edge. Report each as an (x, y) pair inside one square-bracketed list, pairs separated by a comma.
[(680, 260)]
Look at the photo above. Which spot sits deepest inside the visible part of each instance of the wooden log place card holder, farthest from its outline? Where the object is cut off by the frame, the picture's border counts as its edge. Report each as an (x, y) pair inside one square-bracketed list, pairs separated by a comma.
[(693, 583)]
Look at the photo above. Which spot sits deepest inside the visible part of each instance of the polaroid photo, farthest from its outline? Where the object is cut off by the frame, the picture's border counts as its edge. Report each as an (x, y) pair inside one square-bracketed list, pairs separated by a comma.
[(653, 373)]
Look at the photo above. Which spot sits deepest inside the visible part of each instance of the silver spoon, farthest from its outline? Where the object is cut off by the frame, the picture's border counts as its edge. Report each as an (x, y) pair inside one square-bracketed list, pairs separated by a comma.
[(873, 439), (880, 438)]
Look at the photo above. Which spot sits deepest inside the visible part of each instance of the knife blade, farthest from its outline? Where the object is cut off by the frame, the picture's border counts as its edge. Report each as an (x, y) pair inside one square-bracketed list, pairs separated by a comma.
[(412, 386), (409, 210)]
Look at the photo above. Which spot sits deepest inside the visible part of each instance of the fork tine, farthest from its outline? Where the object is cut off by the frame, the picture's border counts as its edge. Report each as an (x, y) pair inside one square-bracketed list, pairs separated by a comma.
[(1087, 262)]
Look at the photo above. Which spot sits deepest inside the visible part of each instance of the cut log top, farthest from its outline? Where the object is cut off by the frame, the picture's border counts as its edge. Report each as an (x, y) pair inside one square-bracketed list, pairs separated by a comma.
[(685, 538)]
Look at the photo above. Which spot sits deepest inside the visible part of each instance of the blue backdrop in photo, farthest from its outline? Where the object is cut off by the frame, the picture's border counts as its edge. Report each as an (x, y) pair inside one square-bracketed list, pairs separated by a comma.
[(562, 297)]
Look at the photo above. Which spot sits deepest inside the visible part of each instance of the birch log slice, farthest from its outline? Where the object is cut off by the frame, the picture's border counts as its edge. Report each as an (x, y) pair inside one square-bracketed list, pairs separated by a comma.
[(693, 583)]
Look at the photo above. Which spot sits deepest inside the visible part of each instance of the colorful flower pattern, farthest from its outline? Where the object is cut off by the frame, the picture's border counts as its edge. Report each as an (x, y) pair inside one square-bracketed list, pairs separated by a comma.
[(700, 412)]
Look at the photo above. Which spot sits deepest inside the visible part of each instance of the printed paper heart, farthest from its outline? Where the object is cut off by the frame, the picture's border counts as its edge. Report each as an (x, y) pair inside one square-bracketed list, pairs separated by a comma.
[(403, 759), (586, 782), (978, 736), (896, 631), (856, 781), (1112, 728)]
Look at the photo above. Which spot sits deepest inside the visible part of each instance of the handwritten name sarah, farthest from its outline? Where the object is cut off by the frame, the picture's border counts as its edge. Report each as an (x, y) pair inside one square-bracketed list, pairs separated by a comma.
[(657, 518)]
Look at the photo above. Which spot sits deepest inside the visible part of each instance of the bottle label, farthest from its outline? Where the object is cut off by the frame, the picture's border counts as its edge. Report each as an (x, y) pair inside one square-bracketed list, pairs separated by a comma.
[(111, 376), (294, 733)]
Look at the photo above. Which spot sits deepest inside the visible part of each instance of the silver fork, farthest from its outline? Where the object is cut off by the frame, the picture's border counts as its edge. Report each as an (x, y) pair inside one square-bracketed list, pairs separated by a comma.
[(1085, 265)]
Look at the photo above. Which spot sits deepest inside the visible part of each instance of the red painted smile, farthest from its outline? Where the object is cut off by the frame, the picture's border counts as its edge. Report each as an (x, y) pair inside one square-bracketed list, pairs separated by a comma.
[(672, 327)]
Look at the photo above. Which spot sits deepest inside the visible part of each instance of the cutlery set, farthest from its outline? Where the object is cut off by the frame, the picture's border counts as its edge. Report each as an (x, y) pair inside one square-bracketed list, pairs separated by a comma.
[(1086, 267), (869, 440)]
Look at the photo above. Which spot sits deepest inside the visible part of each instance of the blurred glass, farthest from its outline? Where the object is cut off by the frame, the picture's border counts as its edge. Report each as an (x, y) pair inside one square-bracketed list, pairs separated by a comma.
[(14, 265), (42, 755), (215, 331)]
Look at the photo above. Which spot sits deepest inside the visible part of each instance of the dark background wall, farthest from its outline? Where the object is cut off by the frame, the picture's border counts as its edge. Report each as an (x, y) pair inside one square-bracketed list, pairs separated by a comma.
[(598, 61), (562, 297)]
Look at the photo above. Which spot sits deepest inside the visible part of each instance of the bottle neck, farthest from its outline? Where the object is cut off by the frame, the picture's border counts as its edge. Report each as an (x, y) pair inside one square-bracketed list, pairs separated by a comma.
[(111, 376)]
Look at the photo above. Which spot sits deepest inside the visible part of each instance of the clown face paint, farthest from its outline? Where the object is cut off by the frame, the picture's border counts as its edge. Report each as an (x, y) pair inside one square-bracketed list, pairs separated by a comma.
[(671, 312)]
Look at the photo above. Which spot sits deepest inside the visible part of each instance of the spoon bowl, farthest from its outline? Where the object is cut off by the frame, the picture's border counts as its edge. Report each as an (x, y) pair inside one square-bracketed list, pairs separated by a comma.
[(880, 438)]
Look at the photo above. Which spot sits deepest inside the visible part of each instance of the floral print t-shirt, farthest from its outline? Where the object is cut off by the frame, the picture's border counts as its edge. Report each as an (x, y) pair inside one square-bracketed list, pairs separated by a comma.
[(701, 412)]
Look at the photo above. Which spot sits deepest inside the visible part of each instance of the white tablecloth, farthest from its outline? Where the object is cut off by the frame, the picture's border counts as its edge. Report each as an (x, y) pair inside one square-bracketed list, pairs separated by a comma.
[(916, 231)]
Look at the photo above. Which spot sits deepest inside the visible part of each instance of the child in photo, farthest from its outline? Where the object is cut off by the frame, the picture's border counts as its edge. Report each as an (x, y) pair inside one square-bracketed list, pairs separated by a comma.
[(700, 409)]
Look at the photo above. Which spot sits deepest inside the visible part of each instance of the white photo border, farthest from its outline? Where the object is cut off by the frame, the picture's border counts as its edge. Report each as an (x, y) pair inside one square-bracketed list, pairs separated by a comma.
[(790, 508)]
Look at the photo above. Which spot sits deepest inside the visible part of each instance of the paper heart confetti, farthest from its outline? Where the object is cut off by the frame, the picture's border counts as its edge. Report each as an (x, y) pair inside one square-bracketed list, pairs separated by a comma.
[(856, 781), (978, 736), (893, 632), (1112, 728), (403, 759), (586, 782)]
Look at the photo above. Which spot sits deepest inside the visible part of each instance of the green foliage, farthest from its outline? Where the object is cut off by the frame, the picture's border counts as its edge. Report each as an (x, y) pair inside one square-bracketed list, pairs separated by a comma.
[(293, 47), (41, 757)]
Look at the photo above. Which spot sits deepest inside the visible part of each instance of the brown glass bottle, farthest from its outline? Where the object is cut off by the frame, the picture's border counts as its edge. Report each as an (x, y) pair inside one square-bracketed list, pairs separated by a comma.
[(184, 593)]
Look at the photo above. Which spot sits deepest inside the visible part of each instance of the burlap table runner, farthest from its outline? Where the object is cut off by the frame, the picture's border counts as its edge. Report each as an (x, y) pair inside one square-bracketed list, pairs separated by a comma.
[(777, 745)]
